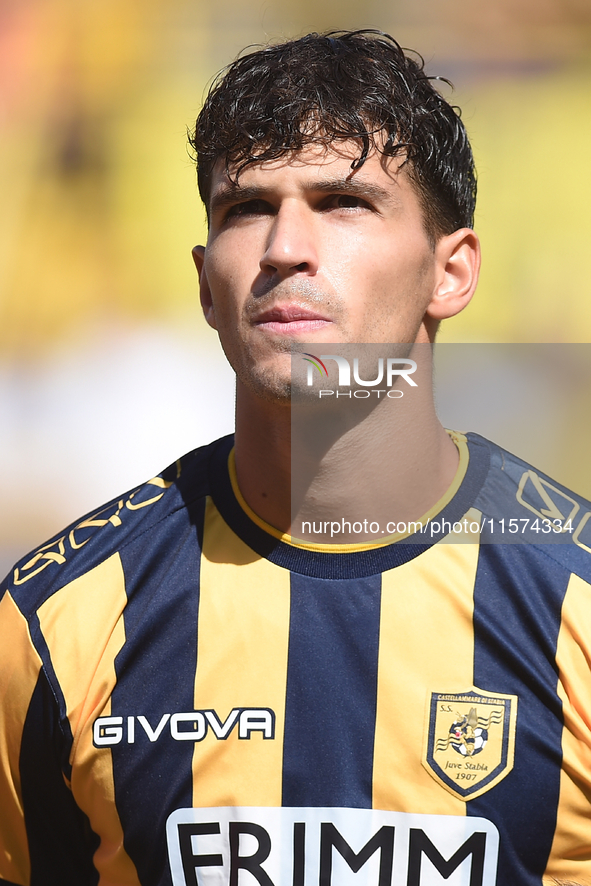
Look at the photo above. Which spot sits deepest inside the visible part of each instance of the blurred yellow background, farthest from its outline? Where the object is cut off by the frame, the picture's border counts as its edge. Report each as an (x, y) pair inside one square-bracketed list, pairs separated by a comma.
[(107, 371)]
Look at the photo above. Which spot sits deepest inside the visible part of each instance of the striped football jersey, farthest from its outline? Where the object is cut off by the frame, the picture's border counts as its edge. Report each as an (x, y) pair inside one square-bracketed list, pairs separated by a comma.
[(189, 698)]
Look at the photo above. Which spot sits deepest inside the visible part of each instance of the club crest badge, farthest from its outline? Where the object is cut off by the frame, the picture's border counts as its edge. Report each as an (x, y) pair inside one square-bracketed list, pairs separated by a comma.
[(470, 740)]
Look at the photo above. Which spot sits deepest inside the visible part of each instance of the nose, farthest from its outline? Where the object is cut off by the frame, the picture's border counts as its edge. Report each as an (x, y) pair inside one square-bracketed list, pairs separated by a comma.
[(291, 247)]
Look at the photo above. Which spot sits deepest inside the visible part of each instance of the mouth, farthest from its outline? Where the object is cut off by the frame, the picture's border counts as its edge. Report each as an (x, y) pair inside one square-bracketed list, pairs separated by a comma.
[(291, 320)]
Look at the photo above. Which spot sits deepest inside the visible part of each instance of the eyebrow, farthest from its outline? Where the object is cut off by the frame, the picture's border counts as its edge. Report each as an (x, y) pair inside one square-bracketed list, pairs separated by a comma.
[(357, 187), (228, 195), (233, 193)]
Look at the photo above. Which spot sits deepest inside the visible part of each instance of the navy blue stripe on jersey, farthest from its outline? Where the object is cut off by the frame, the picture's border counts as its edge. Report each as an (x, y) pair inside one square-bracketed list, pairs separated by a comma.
[(358, 564), (61, 842), (66, 731), (520, 500), (517, 605), (331, 692), (162, 583)]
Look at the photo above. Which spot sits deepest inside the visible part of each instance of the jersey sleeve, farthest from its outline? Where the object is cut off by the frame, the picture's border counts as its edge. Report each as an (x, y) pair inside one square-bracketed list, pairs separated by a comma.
[(44, 837), (20, 667)]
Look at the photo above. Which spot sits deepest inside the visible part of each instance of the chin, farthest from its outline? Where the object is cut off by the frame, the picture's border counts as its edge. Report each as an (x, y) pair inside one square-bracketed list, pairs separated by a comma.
[(267, 383)]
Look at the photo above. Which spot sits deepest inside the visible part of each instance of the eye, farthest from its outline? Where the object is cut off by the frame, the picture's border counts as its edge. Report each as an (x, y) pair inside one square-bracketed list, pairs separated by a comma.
[(249, 207), (347, 201)]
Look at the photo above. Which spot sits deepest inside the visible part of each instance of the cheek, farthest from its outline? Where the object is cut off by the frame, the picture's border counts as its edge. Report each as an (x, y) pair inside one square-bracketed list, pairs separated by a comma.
[(221, 279), (232, 268), (410, 266), (398, 287)]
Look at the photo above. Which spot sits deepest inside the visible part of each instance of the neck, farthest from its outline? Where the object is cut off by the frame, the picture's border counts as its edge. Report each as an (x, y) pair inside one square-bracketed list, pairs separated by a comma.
[(380, 461)]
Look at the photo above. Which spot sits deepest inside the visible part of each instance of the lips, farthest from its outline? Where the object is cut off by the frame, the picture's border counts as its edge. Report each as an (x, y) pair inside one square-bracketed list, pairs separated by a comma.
[(290, 319)]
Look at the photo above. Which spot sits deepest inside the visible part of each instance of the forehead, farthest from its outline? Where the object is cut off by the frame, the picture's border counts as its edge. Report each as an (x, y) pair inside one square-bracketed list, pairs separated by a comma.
[(315, 164)]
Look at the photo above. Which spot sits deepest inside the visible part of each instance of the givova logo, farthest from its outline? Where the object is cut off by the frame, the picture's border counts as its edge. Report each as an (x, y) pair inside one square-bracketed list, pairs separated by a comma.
[(304, 846), (184, 726)]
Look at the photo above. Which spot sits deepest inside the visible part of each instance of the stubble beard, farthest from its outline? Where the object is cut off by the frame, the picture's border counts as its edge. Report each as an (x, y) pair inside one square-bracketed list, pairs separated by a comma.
[(264, 378), (268, 382)]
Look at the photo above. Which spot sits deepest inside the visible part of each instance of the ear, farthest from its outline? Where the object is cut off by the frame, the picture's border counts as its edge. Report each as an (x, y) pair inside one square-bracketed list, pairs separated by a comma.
[(458, 262), (198, 253)]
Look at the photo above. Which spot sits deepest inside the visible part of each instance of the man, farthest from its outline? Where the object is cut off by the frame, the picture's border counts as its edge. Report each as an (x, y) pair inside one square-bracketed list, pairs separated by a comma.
[(191, 694)]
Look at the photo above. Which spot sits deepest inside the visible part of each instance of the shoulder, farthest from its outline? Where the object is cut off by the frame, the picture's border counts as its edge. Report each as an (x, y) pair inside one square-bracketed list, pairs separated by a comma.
[(144, 512), (525, 505)]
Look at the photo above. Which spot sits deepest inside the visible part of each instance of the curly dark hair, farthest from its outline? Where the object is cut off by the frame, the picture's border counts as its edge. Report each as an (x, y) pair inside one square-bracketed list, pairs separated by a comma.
[(340, 85)]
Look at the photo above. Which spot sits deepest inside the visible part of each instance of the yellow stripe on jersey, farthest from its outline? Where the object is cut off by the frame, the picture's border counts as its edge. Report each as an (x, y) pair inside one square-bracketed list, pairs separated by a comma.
[(419, 597), (83, 627), (243, 632), (19, 670), (573, 826)]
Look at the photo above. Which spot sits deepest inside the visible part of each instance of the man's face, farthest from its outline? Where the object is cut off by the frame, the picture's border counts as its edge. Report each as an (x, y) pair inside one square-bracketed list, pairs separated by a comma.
[(303, 250)]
